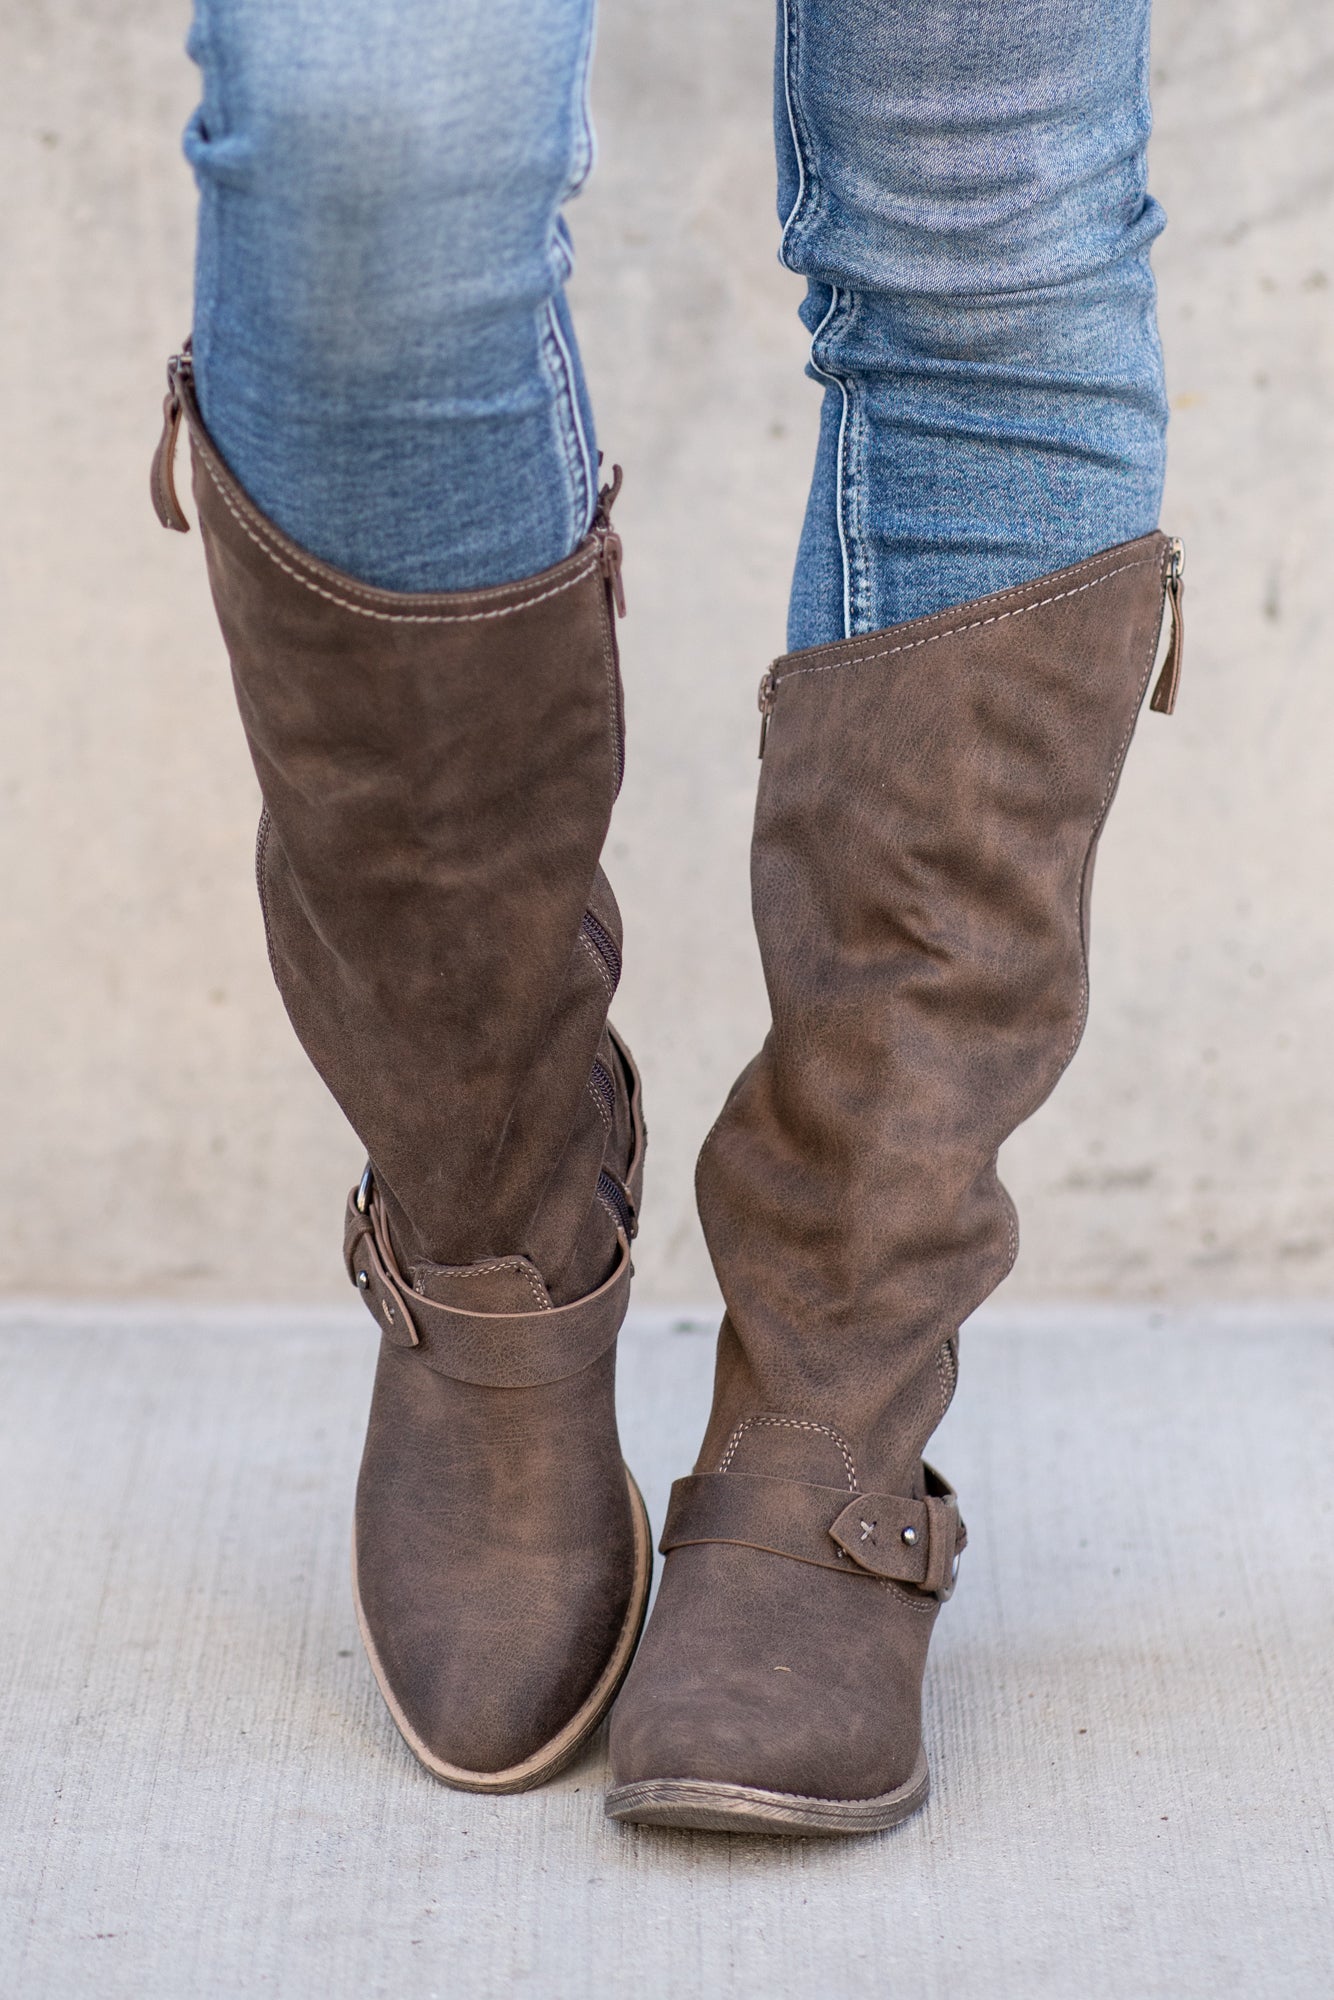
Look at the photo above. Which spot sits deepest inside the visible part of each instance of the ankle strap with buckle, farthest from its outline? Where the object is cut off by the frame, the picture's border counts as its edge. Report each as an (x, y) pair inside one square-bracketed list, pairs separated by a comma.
[(884, 1535), (495, 1350)]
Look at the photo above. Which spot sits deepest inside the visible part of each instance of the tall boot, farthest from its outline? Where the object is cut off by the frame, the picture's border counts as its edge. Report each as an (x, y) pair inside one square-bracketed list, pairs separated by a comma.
[(930, 801), (438, 773)]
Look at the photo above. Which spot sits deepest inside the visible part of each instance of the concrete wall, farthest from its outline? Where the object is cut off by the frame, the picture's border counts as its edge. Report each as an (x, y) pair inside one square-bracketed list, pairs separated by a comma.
[(164, 1135)]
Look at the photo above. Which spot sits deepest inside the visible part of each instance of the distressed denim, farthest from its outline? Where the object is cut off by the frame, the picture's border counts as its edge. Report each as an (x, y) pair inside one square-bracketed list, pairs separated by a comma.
[(384, 353)]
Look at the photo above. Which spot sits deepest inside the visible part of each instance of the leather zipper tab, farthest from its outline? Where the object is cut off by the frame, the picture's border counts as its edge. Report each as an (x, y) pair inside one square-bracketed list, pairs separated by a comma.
[(609, 542), (768, 692), (162, 475), (1164, 697)]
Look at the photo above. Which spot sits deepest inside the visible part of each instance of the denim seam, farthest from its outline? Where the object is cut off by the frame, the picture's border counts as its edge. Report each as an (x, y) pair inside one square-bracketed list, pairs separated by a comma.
[(857, 582), (389, 617), (804, 180), (571, 445), (977, 625), (840, 512), (581, 478)]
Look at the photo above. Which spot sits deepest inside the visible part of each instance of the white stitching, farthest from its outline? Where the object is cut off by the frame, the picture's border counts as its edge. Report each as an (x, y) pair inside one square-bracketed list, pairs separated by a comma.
[(587, 475), (914, 1603), (539, 1292), (477, 1270), (481, 1270), (912, 646), (599, 961), (914, 1600), (790, 59), (992, 597), (365, 610), (840, 511), (795, 1424)]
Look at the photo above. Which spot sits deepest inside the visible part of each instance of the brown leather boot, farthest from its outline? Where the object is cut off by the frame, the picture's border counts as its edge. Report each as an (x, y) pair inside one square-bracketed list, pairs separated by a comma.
[(928, 810), (438, 773)]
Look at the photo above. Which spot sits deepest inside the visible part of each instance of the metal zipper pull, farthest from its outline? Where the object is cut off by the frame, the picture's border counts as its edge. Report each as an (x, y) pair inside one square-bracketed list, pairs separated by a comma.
[(1164, 697), (768, 691), (162, 475)]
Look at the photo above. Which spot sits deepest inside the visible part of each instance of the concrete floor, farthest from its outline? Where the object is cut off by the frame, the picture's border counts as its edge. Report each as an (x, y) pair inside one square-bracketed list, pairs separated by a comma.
[(1130, 1717)]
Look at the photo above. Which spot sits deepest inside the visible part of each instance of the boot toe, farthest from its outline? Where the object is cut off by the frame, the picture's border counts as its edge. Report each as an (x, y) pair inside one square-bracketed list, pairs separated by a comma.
[(480, 1680), (501, 1566), (760, 1672)]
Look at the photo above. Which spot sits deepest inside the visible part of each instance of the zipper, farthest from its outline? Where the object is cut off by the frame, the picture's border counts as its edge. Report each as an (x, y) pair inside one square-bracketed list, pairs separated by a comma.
[(604, 945), (616, 1201), (609, 562), (1164, 697), (261, 883), (162, 476), (768, 693), (949, 1374), (602, 1088)]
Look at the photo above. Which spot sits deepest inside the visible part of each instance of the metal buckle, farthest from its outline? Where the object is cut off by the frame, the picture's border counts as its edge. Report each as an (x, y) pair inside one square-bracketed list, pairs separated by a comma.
[(364, 1188)]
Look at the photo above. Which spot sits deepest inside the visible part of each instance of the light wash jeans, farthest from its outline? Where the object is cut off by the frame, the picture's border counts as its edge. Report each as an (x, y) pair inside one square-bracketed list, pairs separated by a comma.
[(384, 354)]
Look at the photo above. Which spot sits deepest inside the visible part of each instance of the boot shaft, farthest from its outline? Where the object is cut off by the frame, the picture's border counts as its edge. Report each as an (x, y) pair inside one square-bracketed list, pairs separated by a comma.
[(929, 807), (438, 774)]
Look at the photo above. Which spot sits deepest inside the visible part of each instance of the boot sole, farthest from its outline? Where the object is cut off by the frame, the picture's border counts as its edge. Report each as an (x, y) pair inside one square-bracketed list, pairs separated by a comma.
[(567, 1743), (717, 1808)]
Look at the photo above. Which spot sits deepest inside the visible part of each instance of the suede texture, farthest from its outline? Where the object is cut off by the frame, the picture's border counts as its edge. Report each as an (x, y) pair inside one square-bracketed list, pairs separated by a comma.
[(929, 807), (438, 774)]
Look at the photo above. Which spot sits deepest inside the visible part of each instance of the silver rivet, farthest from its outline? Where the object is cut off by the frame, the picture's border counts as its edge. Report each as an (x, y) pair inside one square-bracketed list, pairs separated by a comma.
[(954, 1569), (909, 1537), (363, 1279)]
